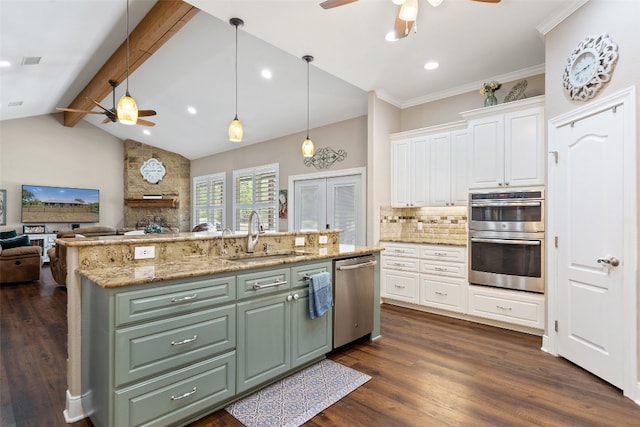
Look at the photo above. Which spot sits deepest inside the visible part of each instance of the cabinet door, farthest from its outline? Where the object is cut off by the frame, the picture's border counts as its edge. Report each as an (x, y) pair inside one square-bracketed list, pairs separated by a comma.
[(523, 149), (400, 173), (311, 339), (401, 285), (487, 148), (459, 168), (419, 171), (264, 340), (440, 169)]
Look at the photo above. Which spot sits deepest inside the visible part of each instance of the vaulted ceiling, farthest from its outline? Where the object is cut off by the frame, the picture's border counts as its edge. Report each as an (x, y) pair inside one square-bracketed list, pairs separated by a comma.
[(183, 58)]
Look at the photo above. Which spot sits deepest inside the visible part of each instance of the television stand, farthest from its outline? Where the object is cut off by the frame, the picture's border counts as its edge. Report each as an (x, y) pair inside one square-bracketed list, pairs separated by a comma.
[(45, 240)]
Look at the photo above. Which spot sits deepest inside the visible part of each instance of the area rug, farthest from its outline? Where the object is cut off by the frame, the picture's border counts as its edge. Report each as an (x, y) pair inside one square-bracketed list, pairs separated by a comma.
[(299, 397)]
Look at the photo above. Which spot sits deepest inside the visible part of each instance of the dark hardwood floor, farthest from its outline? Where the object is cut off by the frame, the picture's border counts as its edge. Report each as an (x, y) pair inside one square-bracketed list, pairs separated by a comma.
[(427, 370)]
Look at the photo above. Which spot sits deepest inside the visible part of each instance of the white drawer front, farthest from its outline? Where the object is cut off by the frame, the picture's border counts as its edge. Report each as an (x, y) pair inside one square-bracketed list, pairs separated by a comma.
[(445, 253), (404, 250), (443, 269), (404, 264), (400, 286), (508, 306), (448, 294)]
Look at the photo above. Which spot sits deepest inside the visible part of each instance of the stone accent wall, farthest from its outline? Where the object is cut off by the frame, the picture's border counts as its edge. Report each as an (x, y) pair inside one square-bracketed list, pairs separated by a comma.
[(175, 184), (445, 225)]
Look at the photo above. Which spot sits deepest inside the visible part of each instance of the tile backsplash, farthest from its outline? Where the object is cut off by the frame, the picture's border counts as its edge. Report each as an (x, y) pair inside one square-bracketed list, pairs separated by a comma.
[(444, 225)]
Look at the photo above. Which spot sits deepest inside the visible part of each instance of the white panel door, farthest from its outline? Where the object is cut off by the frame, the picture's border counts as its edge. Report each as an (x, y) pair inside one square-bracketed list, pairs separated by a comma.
[(588, 207)]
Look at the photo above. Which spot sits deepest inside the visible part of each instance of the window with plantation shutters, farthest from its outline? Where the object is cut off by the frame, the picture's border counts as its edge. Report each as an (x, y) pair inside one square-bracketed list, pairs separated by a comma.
[(208, 200), (256, 189)]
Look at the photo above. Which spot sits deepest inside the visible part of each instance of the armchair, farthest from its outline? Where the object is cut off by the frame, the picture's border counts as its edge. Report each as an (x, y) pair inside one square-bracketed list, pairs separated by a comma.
[(19, 261)]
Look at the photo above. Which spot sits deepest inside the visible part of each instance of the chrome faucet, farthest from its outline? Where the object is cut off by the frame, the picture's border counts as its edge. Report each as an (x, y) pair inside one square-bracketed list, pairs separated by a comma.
[(223, 251), (251, 240)]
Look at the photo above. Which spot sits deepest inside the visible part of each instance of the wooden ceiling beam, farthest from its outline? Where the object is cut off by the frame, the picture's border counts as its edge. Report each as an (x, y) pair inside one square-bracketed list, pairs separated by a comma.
[(164, 20)]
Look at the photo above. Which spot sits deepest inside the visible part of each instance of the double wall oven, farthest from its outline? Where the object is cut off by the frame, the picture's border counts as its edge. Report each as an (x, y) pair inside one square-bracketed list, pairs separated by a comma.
[(506, 239)]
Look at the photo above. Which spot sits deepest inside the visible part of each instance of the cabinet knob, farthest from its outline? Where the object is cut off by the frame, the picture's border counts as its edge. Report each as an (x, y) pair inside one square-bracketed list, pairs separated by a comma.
[(296, 297), (289, 298)]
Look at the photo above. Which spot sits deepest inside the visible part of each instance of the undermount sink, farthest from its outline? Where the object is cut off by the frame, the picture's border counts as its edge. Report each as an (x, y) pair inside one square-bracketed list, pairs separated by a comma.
[(265, 257)]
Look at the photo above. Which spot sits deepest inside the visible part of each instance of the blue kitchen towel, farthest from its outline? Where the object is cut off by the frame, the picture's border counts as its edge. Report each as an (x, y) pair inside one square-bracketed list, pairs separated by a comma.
[(320, 297)]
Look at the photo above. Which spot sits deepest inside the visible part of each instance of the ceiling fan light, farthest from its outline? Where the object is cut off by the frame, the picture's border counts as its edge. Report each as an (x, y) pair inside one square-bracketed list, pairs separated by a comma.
[(235, 130), (435, 3), (307, 148), (398, 2), (409, 10), (127, 110)]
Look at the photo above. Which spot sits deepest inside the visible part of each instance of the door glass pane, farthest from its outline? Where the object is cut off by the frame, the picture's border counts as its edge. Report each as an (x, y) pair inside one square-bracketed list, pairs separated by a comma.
[(344, 213), (309, 208)]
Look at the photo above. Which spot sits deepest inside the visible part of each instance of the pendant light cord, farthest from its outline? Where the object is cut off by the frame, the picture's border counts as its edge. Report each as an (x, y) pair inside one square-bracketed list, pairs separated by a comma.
[(236, 71), (307, 98), (127, 91)]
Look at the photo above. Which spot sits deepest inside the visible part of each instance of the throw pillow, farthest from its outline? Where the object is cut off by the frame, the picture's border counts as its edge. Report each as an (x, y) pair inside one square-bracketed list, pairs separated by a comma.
[(8, 234), (15, 242)]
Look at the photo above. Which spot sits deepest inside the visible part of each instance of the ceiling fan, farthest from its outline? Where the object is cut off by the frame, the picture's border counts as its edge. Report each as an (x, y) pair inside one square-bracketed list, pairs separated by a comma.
[(406, 16), (111, 113)]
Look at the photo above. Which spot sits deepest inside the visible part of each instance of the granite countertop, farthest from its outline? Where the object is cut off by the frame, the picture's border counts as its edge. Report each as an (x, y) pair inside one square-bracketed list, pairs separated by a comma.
[(194, 266)]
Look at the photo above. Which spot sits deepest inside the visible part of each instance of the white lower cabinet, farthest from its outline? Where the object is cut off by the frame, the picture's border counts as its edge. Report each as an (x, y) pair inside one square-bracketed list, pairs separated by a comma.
[(516, 307), (435, 276)]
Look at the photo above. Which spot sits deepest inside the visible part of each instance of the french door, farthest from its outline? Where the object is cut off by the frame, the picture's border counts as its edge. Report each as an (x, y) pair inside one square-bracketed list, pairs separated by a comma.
[(335, 203)]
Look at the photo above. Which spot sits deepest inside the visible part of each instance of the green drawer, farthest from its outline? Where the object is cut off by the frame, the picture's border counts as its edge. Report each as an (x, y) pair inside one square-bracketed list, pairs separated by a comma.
[(179, 395), (300, 273), (172, 299), (155, 347), (263, 282)]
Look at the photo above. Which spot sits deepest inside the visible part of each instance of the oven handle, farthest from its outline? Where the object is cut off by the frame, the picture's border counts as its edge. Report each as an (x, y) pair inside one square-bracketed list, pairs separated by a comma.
[(505, 204), (507, 242)]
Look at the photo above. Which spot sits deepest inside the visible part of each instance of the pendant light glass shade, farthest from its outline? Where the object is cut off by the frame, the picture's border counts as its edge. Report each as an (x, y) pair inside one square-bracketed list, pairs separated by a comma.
[(435, 3), (127, 110), (308, 149), (235, 130), (235, 127)]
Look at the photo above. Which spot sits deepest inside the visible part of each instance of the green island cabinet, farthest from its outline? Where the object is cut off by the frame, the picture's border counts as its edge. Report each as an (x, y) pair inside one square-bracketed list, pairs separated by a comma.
[(167, 353)]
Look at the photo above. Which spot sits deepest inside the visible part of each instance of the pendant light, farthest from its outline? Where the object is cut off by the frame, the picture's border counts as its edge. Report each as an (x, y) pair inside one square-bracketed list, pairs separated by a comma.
[(127, 109), (235, 127), (307, 146)]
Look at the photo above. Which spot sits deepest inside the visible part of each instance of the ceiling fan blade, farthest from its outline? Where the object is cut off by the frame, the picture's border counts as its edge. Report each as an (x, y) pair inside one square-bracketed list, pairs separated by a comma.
[(328, 4), (146, 113), (145, 123), (73, 110), (98, 104)]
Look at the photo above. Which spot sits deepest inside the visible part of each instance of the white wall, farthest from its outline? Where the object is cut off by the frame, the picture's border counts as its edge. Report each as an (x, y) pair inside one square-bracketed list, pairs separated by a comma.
[(40, 150)]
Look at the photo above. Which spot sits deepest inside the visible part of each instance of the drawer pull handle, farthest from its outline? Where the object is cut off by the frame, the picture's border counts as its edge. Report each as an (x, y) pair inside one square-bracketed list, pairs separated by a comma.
[(186, 341), (184, 299), (442, 294), (499, 307), (399, 264), (441, 269), (440, 253), (399, 286), (187, 394), (258, 286)]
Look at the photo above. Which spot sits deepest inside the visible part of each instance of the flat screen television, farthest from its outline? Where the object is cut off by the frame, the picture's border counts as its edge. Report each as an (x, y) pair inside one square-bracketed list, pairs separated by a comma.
[(43, 204)]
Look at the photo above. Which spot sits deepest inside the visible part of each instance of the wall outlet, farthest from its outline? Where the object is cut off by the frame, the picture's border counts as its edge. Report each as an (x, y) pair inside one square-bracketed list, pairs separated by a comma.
[(299, 241), (323, 240), (144, 252), (419, 226)]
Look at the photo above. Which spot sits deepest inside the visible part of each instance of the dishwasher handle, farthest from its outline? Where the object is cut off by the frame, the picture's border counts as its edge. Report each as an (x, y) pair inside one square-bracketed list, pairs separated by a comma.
[(356, 266)]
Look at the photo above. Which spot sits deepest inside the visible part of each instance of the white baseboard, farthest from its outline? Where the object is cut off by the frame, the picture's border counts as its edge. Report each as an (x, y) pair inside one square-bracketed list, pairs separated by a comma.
[(74, 411)]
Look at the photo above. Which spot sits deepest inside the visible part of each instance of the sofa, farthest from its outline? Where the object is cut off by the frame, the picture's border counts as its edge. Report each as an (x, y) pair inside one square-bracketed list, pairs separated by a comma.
[(58, 254), (19, 261)]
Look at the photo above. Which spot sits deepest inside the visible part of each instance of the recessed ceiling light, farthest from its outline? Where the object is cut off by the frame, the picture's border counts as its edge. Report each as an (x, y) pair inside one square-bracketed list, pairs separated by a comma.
[(192, 110), (431, 65), (146, 131), (5, 64), (266, 73)]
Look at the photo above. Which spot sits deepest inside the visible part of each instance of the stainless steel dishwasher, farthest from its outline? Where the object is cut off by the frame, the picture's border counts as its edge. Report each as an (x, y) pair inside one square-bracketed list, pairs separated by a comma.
[(352, 299)]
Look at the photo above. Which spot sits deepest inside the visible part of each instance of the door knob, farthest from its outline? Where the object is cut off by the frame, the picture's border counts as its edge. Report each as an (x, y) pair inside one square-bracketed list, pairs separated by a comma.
[(612, 261)]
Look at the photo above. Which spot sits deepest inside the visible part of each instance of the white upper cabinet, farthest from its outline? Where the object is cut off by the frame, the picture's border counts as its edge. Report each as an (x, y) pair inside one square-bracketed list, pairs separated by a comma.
[(429, 167), (507, 145)]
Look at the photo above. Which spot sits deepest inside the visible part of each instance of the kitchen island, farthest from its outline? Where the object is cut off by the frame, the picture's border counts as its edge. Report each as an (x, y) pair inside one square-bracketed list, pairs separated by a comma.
[(112, 294)]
